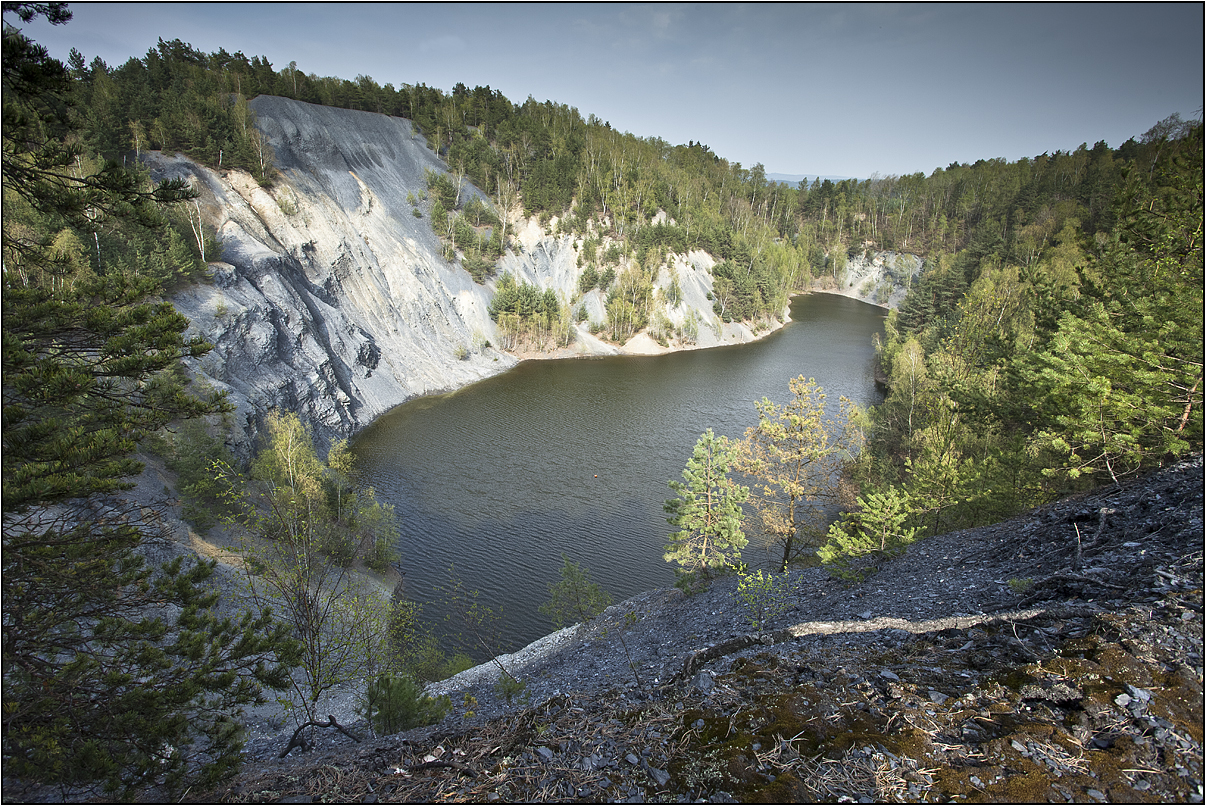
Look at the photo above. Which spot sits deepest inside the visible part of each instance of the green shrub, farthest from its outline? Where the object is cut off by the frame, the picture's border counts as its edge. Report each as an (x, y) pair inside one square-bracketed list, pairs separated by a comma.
[(394, 703), (442, 189), (379, 557), (479, 266), (876, 530), (690, 330), (575, 597), (458, 663), (763, 597), (509, 687), (476, 211), (1020, 585), (674, 292), (413, 648), (192, 455), (339, 546), (607, 278), (588, 280)]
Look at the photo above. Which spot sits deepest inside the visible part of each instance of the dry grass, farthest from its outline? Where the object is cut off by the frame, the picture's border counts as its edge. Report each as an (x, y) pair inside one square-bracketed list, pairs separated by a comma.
[(874, 775), (212, 551)]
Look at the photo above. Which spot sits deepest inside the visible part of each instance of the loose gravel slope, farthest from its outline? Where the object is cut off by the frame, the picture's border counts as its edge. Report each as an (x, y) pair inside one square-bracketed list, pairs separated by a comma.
[(935, 679)]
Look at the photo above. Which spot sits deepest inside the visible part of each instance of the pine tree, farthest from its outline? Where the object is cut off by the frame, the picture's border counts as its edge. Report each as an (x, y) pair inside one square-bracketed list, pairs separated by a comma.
[(114, 672), (877, 528), (1120, 385), (795, 453), (708, 510)]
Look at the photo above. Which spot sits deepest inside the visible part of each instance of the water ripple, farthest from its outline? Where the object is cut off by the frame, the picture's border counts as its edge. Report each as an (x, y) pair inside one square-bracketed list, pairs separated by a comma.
[(573, 456)]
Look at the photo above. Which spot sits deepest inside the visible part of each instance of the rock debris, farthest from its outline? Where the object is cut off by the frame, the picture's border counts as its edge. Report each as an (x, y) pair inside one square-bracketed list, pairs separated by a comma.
[(1002, 663)]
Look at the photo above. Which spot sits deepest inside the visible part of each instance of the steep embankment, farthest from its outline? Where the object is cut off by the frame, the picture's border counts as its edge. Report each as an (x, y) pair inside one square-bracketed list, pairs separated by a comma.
[(1057, 656), (331, 297), (880, 278)]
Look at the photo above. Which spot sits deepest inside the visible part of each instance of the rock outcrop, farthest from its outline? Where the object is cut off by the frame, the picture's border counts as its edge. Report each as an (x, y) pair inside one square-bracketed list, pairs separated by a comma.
[(331, 297), (880, 278)]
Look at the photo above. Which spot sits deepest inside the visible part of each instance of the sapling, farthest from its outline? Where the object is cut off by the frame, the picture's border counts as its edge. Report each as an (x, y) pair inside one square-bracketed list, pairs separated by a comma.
[(764, 597), (481, 622)]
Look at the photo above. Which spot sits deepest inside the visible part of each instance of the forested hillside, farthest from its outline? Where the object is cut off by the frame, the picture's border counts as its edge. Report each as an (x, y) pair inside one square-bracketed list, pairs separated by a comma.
[(545, 157), (1065, 352)]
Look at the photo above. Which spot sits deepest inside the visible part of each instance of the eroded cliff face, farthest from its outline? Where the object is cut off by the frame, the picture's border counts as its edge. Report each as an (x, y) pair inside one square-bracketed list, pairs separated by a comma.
[(331, 298), (881, 278)]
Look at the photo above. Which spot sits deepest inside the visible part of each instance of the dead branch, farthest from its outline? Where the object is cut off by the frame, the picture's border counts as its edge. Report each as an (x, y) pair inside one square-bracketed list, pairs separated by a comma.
[(298, 740)]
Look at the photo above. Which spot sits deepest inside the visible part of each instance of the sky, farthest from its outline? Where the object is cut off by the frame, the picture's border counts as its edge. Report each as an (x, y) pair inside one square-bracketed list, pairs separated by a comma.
[(851, 90)]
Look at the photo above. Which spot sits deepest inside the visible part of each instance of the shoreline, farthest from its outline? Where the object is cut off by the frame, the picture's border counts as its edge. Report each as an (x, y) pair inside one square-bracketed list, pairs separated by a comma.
[(855, 297), (569, 353)]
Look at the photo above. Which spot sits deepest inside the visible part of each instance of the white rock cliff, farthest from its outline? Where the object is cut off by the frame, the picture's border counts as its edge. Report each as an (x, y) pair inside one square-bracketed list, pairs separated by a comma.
[(331, 297)]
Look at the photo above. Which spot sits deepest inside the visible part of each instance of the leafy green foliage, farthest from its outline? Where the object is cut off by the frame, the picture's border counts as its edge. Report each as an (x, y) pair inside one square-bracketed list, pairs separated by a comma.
[(442, 190), (193, 454), (394, 703), (707, 510), (795, 455), (303, 526), (1058, 347), (1120, 383), (99, 688), (479, 214), (86, 374), (509, 687), (470, 227), (575, 598), (588, 280), (629, 302), (413, 649), (523, 311), (540, 158), (763, 597), (177, 99)]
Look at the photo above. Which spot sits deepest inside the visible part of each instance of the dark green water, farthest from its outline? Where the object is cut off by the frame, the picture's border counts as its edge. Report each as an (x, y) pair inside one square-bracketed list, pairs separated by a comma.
[(574, 455)]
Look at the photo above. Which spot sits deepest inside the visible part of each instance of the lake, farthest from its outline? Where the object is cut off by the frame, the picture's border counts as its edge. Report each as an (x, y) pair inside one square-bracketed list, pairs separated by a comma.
[(573, 455)]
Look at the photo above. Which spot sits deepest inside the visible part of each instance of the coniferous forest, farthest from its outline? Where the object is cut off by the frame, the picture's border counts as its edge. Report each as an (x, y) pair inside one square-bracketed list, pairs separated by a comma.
[(1053, 341)]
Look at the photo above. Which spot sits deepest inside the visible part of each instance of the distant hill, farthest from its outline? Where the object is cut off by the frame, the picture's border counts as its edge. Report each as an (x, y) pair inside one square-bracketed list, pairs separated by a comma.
[(794, 179)]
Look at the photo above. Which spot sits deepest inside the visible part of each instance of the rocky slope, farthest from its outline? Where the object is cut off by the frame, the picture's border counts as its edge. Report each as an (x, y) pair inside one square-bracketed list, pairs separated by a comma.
[(1054, 657), (881, 278), (331, 297)]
